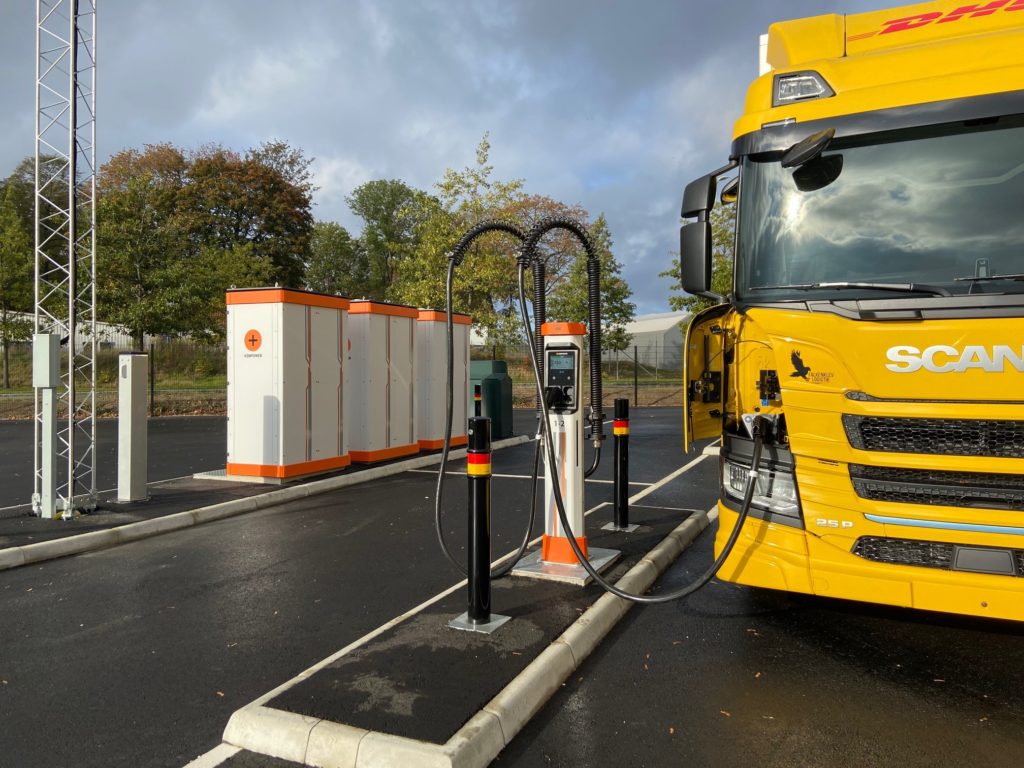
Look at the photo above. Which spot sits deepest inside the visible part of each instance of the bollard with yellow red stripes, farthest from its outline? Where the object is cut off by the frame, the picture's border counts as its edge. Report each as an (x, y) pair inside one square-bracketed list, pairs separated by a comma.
[(478, 617)]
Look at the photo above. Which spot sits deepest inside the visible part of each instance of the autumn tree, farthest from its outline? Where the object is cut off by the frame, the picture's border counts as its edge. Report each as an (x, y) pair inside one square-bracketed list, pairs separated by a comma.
[(231, 201), (723, 225), (569, 301), (16, 279), (176, 228)]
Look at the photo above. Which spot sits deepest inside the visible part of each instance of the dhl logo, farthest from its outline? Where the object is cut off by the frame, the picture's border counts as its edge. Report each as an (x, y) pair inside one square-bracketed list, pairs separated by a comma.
[(938, 17)]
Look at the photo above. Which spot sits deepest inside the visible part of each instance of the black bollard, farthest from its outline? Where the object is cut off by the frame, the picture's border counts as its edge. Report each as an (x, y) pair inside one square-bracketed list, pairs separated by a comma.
[(478, 474), (620, 492), (478, 617)]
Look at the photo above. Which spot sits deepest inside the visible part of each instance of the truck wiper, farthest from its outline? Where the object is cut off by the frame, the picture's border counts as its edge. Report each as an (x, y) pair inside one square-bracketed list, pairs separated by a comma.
[(934, 290), (988, 277)]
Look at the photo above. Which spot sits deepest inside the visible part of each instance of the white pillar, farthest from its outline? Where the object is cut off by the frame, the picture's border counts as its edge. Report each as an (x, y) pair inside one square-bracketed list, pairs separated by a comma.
[(45, 379), (131, 427)]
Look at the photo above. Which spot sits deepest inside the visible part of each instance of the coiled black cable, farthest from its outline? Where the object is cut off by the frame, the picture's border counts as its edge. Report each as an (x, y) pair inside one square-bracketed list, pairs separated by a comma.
[(455, 259), (759, 428), (529, 257)]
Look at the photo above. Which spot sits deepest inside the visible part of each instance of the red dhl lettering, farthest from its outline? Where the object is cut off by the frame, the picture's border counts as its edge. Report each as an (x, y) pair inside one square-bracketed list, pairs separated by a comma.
[(971, 11)]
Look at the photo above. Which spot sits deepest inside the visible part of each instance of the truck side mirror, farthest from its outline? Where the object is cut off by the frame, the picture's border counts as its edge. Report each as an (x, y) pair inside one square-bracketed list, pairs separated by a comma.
[(695, 237), (699, 197), (695, 258)]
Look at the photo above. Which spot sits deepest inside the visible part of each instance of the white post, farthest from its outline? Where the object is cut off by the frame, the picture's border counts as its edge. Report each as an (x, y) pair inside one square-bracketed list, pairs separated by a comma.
[(45, 379), (131, 427)]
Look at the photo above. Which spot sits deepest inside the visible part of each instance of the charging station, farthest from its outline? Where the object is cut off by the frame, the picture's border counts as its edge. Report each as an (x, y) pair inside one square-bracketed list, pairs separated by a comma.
[(562, 356)]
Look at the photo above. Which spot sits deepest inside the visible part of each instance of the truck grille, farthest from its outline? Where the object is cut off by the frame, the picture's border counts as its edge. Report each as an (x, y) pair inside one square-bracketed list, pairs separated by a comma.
[(949, 437), (926, 554), (950, 489)]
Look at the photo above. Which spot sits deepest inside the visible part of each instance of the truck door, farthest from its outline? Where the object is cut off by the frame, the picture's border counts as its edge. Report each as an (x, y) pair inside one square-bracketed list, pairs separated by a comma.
[(704, 375)]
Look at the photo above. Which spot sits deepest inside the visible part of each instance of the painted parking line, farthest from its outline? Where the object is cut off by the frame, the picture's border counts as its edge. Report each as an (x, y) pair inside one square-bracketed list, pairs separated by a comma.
[(208, 760)]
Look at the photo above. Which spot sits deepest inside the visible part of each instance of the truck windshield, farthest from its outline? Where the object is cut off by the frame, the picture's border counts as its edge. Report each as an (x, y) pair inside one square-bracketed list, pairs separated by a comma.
[(921, 212)]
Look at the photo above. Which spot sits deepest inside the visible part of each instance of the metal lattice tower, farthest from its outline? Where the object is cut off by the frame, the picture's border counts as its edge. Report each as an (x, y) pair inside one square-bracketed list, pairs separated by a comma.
[(65, 241)]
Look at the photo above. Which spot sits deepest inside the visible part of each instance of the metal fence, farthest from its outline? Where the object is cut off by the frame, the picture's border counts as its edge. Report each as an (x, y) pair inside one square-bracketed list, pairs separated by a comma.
[(191, 378), (649, 374), (185, 377)]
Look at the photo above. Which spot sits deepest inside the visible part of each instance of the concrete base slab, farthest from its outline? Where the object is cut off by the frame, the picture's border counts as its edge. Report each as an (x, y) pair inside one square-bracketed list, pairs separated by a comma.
[(624, 529), (223, 476), (532, 567), (466, 624)]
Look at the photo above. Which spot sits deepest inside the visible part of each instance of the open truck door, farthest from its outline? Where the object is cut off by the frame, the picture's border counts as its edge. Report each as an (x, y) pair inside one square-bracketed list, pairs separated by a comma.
[(704, 376)]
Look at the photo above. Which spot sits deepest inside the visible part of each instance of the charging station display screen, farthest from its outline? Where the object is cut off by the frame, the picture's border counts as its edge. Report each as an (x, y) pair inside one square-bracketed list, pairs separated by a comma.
[(561, 361)]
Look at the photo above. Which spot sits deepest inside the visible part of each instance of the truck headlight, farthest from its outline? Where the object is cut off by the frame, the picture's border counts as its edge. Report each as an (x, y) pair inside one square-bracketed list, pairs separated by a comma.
[(775, 490)]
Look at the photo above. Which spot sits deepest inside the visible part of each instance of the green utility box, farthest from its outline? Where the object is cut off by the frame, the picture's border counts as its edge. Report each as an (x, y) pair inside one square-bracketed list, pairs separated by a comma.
[(490, 395)]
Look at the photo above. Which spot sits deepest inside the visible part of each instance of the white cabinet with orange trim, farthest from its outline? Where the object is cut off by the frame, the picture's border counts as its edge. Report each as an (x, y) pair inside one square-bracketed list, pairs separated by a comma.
[(382, 365), (431, 384), (287, 383)]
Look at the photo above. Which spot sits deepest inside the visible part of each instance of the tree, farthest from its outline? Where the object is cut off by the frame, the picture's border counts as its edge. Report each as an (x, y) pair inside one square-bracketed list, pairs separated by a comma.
[(231, 200), (16, 279), (569, 299), (391, 214), (148, 282), (177, 228), (337, 262), (485, 284), (723, 226)]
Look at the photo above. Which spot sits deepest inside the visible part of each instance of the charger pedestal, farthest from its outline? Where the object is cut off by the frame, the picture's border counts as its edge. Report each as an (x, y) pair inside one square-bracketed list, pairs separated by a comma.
[(562, 354)]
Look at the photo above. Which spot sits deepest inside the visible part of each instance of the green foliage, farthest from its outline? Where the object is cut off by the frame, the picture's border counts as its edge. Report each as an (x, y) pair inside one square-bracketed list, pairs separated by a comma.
[(484, 285), (16, 279), (337, 263), (569, 299), (391, 215), (723, 227)]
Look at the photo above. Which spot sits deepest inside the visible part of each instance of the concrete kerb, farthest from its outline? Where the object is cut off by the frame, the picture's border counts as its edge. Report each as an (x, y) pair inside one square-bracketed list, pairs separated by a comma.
[(491, 729), (12, 557)]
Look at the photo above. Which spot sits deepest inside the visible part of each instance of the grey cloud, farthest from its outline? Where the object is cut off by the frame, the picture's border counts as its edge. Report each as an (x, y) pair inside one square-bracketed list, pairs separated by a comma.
[(615, 105)]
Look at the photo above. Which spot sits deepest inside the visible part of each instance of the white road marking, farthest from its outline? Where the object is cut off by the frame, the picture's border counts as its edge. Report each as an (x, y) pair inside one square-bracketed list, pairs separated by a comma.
[(518, 477)]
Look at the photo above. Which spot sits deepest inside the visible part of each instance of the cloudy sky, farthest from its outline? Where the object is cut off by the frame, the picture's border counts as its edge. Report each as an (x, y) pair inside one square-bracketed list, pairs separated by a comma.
[(614, 105)]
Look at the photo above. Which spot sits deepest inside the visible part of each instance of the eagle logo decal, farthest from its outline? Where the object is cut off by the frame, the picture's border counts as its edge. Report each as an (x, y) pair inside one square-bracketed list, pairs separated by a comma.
[(799, 368)]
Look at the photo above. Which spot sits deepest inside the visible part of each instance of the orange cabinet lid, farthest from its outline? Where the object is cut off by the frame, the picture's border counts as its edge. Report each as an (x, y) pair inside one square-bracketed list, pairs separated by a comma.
[(284, 296), (432, 315), (366, 307)]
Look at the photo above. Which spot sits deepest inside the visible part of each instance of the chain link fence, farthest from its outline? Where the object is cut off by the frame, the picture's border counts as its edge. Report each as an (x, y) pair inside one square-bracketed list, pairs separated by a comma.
[(185, 378), (647, 374), (191, 378)]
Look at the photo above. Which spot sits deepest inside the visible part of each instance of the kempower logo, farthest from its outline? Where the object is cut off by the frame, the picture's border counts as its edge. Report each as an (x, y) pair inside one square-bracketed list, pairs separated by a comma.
[(971, 11), (942, 358)]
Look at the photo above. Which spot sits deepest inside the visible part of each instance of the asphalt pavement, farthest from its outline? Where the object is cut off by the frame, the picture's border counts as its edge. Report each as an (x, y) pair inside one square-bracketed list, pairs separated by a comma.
[(179, 446), (742, 676), (138, 655)]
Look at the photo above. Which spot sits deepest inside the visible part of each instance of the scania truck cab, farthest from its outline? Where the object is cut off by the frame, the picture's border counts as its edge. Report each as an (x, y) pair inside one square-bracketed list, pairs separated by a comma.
[(876, 315)]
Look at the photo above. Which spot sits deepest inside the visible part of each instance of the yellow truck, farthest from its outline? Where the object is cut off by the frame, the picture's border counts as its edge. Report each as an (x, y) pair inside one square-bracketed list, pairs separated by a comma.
[(876, 316)]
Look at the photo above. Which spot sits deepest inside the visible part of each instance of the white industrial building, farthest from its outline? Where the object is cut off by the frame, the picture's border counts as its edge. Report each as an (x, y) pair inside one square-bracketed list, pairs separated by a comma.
[(658, 339)]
